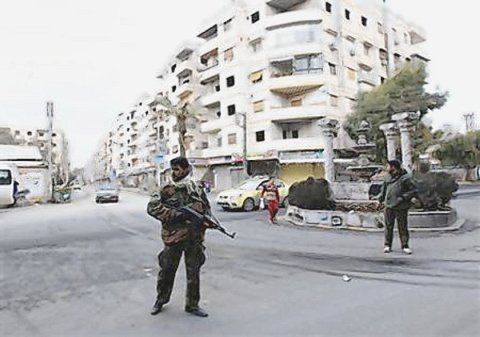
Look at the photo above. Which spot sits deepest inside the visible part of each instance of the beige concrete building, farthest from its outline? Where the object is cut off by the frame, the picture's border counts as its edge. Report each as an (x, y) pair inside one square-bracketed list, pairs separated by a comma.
[(264, 73)]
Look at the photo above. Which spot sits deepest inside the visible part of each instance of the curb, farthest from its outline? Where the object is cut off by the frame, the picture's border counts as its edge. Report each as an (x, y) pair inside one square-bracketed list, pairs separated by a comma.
[(456, 226)]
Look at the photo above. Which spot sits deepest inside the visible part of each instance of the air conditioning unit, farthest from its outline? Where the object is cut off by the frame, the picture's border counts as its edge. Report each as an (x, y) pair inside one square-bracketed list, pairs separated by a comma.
[(333, 46)]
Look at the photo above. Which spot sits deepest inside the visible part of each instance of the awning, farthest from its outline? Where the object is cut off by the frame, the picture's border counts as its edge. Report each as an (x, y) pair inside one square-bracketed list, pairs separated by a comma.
[(296, 90), (256, 76), (282, 60)]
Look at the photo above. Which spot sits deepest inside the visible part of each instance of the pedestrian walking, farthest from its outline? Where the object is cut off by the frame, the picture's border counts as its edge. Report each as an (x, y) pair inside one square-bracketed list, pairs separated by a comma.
[(272, 196), (397, 192), (180, 234)]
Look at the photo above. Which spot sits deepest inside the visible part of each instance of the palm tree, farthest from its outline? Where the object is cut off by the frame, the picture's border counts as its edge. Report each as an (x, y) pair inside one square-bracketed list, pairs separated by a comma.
[(182, 112)]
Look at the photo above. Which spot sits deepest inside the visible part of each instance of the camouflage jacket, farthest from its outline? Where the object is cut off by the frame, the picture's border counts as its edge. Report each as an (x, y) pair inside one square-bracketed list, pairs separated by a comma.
[(175, 228)]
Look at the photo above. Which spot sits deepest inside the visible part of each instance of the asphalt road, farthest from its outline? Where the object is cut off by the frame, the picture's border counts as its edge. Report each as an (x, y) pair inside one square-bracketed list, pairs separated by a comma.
[(83, 269)]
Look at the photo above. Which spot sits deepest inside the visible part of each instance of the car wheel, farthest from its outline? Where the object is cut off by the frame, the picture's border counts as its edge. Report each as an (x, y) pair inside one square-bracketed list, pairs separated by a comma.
[(248, 205)]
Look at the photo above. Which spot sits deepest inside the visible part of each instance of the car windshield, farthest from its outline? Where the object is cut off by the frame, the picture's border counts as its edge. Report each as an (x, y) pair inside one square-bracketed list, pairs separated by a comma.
[(107, 188), (249, 185)]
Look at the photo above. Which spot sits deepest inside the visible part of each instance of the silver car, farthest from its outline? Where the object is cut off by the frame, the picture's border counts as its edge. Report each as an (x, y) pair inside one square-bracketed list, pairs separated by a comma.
[(106, 193)]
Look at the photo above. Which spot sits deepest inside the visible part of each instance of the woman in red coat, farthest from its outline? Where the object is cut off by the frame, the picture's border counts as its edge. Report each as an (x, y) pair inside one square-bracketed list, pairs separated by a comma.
[(272, 196)]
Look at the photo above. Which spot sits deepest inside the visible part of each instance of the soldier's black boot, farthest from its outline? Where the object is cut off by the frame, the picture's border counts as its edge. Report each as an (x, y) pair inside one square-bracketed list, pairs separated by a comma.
[(197, 311), (157, 307)]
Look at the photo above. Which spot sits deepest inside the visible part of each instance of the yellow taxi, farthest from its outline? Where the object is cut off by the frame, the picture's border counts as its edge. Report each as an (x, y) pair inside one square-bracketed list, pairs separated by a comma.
[(246, 195)]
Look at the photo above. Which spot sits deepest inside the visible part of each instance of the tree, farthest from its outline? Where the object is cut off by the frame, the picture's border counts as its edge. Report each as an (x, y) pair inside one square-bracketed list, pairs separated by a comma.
[(182, 112), (403, 92), (462, 151)]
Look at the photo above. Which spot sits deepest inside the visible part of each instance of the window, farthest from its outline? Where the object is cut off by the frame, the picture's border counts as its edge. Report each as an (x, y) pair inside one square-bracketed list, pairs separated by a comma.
[(219, 142), (333, 69), (351, 74), (382, 79), (17, 133), (175, 149), (366, 49), (172, 68), (260, 136), (347, 14), (227, 25), (230, 81), (29, 133), (231, 110), (219, 114), (333, 100), (232, 139), (364, 21), (379, 28), (296, 101), (256, 45), (204, 145), (258, 106), (41, 133), (328, 7), (256, 77), (5, 177), (308, 64), (228, 55), (174, 88), (54, 134), (255, 17), (287, 134)]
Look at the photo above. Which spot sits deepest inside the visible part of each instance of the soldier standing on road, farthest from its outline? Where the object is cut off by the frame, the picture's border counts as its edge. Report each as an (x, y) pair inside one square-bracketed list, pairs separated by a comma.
[(180, 235), (397, 193), (273, 200)]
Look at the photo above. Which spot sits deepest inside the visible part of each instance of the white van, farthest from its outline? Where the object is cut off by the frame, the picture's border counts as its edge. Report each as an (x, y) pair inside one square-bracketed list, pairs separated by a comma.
[(7, 183)]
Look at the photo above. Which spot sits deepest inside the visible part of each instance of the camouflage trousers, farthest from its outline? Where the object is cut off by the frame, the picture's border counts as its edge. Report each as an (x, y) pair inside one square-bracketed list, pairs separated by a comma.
[(169, 259)]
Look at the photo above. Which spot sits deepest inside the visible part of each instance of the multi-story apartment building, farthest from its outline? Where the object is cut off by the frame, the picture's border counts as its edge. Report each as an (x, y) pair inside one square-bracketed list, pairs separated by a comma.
[(39, 138), (264, 72)]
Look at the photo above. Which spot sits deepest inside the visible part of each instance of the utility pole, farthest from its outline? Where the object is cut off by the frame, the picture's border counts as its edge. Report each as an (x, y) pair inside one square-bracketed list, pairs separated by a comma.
[(242, 122), (385, 35), (469, 121), (50, 145)]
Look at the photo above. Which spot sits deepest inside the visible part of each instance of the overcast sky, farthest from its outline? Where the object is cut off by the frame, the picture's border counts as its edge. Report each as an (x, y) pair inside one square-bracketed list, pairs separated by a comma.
[(93, 58)]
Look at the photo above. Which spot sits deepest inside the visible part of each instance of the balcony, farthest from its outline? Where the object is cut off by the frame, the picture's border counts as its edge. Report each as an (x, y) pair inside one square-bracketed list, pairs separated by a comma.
[(417, 34), (366, 61), (284, 5), (215, 125), (224, 151), (293, 144), (296, 84), (209, 70), (211, 97), (368, 77), (185, 90), (185, 67), (296, 114), (293, 17), (314, 47)]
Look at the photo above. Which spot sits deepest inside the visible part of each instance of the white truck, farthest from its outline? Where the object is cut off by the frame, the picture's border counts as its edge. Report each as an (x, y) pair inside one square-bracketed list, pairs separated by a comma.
[(8, 184)]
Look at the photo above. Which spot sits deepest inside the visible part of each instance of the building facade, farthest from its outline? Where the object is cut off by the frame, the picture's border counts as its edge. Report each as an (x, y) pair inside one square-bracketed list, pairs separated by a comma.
[(39, 138), (263, 73)]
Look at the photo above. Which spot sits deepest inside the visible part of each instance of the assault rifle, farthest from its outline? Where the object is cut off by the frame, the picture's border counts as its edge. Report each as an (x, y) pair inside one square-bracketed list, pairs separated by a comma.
[(198, 219)]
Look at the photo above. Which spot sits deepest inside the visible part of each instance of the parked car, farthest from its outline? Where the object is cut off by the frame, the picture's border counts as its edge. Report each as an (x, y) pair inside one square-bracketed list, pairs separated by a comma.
[(106, 193), (246, 195)]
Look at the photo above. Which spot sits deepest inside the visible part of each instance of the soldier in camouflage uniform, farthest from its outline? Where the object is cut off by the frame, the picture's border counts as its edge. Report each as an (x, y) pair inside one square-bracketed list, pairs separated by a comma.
[(180, 235)]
